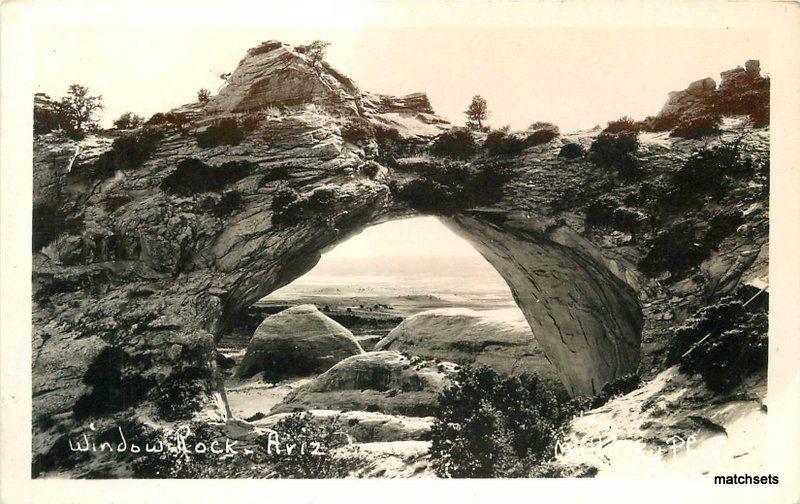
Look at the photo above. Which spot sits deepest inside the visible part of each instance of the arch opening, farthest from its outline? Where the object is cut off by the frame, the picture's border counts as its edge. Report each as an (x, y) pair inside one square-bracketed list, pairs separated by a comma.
[(416, 272)]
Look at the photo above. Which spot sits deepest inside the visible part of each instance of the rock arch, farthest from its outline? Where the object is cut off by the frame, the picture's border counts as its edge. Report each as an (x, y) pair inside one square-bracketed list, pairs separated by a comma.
[(152, 271)]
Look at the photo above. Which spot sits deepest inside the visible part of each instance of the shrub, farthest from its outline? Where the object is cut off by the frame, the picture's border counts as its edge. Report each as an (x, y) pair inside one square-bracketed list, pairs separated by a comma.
[(46, 115), (491, 426), (683, 246), (609, 211), (620, 386), (444, 190), (250, 122), (623, 124), (541, 136), (676, 249), (179, 395), (290, 208), (370, 169), (127, 153), (659, 123), (571, 151), (177, 120), (204, 96), (49, 222), (697, 127), (192, 176), (222, 132), (173, 462), (751, 98), (500, 143), (230, 202), (707, 168), (128, 120), (737, 344), (616, 150), (313, 441), (456, 143), (356, 131), (390, 142)]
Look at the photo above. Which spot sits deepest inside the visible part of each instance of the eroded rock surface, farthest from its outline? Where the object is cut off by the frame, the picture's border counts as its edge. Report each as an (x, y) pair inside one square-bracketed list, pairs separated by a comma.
[(297, 341), (386, 382), (467, 336)]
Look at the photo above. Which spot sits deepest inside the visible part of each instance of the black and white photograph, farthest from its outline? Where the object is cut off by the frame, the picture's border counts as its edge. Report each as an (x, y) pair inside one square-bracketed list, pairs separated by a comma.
[(390, 243)]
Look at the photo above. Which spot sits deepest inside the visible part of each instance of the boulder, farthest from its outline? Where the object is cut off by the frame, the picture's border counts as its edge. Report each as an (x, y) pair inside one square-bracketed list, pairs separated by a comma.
[(694, 101), (297, 341), (385, 382), (500, 339)]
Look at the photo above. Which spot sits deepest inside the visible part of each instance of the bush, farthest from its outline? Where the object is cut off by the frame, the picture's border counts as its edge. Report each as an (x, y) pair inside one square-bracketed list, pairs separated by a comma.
[(456, 143), (697, 127), (500, 143), (444, 190), (177, 120), (204, 96), (659, 123), (127, 153), (707, 168), (250, 122), (490, 426), (356, 131), (179, 395), (128, 120), (311, 458), (616, 150), (289, 208), (571, 151), (620, 386), (222, 132), (609, 211), (623, 124), (49, 222), (738, 344), (370, 169), (541, 136), (683, 246), (230, 202), (750, 99), (192, 176)]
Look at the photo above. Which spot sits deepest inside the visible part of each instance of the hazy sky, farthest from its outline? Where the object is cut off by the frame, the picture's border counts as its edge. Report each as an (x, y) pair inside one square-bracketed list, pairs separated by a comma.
[(528, 71), (575, 77)]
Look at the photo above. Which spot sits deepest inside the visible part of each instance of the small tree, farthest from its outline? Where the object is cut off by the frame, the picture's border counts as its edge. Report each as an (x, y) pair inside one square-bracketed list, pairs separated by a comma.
[(79, 108), (203, 96), (128, 120), (316, 52), (477, 113)]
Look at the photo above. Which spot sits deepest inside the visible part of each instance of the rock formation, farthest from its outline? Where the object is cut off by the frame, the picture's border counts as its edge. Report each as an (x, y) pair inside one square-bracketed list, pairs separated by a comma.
[(740, 91), (385, 382), (467, 336), (297, 341), (148, 245)]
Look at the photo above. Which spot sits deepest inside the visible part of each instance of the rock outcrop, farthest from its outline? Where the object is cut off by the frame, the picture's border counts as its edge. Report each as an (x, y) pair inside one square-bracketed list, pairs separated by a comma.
[(386, 382), (297, 341), (740, 91), (148, 244), (466, 337)]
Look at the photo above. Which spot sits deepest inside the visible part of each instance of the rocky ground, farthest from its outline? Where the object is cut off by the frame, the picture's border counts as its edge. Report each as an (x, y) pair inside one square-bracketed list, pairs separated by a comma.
[(150, 245)]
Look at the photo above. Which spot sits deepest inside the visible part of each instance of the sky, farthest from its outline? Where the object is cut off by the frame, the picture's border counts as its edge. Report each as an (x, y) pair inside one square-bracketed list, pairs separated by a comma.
[(576, 75), (576, 78)]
